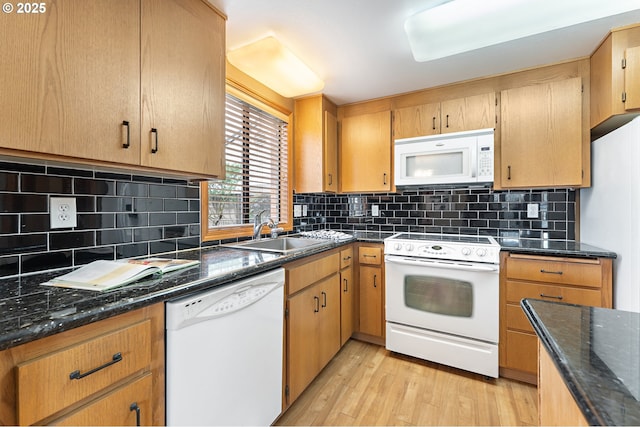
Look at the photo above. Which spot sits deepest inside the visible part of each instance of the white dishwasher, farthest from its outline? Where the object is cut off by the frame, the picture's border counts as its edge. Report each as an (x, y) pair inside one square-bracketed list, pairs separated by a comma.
[(224, 354)]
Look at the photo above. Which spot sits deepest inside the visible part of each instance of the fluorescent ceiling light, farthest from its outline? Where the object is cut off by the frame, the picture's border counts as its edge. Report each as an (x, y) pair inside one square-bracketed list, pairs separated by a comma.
[(275, 66), (464, 25)]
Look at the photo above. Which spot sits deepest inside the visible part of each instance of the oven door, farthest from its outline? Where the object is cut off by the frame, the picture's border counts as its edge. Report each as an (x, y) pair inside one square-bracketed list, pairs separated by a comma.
[(446, 296)]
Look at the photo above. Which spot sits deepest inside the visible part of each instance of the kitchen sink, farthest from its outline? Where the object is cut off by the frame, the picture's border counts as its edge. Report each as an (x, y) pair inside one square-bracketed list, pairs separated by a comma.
[(283, 245)]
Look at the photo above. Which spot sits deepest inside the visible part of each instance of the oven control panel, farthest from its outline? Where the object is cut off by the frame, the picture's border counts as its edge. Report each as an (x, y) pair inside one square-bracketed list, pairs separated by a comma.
[(458, 251)]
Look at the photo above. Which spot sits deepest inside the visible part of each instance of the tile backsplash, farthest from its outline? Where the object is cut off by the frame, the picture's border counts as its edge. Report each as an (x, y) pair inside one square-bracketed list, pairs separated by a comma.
[(464, 210), (119, 216), (124, 215)]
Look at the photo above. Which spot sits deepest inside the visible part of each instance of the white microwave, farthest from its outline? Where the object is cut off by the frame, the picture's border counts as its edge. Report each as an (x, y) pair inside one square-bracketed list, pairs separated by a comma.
[(452, 158)]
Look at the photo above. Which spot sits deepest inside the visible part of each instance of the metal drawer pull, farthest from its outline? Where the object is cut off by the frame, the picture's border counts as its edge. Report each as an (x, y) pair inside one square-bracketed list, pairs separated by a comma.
[(375, 277), (76, 375), (551, 296), (370, 256), (347, 258), (134, 407), (324, 299), (155, 148), (550, 272), (317, 300), (128, 144), (346, 285)]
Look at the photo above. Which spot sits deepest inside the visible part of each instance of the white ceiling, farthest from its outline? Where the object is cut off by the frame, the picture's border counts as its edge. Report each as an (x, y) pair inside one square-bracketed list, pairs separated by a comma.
[(360, 50)]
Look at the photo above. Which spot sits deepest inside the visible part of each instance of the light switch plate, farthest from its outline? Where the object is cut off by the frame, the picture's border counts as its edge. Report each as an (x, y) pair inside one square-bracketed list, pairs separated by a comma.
[(297, 211), (375, 210), (532, 210), (305, 210), (62, 212)]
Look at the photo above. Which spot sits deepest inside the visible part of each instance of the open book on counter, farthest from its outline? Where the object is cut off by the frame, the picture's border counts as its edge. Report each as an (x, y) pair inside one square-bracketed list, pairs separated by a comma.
[(103, 275)]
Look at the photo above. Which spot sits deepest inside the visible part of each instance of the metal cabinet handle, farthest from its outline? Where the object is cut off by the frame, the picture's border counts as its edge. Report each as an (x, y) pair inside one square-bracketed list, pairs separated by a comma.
[(550, 272), (384, 178), (509, 172), (370, 256), (346, 285), (134, 407), (155, 147), (434, 123), (128, 143), (447, 120), (330, 179), (347, 258), (324, 299), (76, 375), (317, 300), (559, 297), (375, 277)]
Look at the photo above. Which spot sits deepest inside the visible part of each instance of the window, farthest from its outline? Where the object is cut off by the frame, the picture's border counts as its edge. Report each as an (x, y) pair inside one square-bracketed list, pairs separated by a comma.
[(257, 171)]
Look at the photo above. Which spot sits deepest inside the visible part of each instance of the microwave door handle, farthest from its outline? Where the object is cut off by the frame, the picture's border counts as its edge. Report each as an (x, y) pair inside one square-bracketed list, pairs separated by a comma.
[(439, 264)]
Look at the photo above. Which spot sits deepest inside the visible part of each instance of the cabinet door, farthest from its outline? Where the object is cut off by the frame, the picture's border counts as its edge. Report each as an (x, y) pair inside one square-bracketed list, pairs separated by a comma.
[(118, 408), (183, 87), (632, 78), (472, 112), (329, 327), (419, 120), (69, 77), (330, 152), (541, 135), (303, 354), (371, 291), (366, 153), (346, 304)]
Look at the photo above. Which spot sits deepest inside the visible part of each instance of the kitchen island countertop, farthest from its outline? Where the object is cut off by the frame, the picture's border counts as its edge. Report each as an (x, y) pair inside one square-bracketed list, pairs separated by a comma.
[(597, 353)]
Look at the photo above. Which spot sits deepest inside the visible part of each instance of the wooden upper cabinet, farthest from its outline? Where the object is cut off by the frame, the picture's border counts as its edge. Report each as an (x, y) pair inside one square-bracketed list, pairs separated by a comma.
[(541, 135), (469, 113), (419, 120), (70, 84), (365, 153), (183, 91), (615, 80), (69, 78), (316, 145), (455, 115)]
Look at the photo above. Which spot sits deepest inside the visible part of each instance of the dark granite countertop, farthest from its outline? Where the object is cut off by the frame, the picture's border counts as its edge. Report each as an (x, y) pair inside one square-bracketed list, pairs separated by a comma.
[(569, 248), (29, 311), (597, 352)]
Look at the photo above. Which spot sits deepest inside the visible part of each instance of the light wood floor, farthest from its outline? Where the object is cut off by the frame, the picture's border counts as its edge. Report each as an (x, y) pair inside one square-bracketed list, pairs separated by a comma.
[(367, 385)]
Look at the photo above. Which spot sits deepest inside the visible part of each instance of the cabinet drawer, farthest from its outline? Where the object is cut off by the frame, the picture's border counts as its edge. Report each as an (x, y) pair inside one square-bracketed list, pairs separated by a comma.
[(516, 291), (311, 271), (52, 382), (346, 257), (114, 409), (586, 272), (516, 319), (370, 255)]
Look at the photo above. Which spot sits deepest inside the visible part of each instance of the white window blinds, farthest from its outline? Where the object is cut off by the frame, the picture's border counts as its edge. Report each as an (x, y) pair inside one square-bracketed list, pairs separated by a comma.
[(256, 145)]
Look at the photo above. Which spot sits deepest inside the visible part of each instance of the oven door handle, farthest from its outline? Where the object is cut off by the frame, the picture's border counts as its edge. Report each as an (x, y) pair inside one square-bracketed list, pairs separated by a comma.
[(440, 264)]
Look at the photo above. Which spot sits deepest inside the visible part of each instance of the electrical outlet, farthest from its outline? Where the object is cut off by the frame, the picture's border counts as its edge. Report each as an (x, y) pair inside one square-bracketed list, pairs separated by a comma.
[(375, 210), (297, 211), (305, 210), (62, 212), (532, 210)]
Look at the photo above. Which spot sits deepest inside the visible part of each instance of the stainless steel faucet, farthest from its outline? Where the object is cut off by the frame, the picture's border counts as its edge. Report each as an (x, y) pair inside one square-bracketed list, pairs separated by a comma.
[(258, 224)]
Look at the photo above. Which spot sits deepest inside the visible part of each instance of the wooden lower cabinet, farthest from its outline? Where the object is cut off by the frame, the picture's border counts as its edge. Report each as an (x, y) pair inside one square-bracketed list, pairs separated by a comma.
[(313, 319), (347, 297), (104, 373), (556, 405), (584, 281), (371, 293)]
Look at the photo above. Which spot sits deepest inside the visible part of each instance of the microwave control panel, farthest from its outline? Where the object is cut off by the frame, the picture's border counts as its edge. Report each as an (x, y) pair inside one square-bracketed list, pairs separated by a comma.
[(485, 161)]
